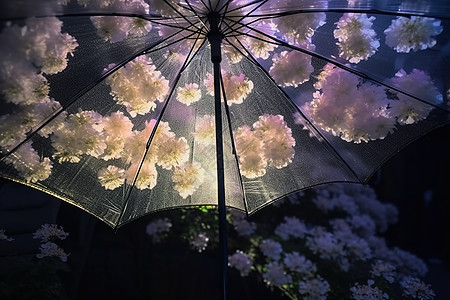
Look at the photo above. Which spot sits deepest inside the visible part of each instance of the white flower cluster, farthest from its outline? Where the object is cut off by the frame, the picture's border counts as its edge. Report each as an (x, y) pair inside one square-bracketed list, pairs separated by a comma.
[(298, 28), (200, 241), (314, 288), (50, 249), (276, 275), (419, 84), (237, 88), (188, 178), (416, 289), (28, 53), (80, 134), (291, 68), (358, 111), (4, 237), (299, 263), (385, 270), (367, 292), (414, 33), (158, 229), (138, 85), (117, 28), (270, 143), (39, 44), (292, 227), (29, 164), (271, 249), (241, 262), (258, 43), (240, 223), (166, 151), (353, 110), (205, 130), (189, 94), (166, 8), (50, 232), (356, 39)]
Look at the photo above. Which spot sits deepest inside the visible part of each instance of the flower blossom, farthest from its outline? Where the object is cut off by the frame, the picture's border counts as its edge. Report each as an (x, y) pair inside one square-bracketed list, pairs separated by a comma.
[(158, 228), (419, 84), (350, 109), (116, 128), (241, 262), (298, 28), (200, 241), (231, 51), (314, 288), (166, 151), (416, 288), (241, 224), (82, 133), (50, 249), (111, 177), (407, 262), (414, 33), (21, 84), (258, 43), (299, 263), (252, 163), (147, 177), (291, 68), (138, 85), (325, 244), (117, 28), (205, 130), (237, 88), (4, 237), (269, 144), (189, 94), (29, 164), (165, 8), (172, 152), (49, 232), (188, 178), (271, 249), (276, 275), (291, 227), (356, 39), (367, 292), (41, 43), (383, 269)]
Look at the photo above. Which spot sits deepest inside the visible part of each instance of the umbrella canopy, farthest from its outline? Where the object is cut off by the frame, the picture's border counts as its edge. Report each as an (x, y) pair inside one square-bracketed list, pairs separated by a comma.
[(109, 105)]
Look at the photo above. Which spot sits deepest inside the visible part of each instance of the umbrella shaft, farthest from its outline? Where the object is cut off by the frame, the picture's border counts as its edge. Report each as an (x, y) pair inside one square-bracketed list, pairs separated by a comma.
[(221, 183), (215, 39)]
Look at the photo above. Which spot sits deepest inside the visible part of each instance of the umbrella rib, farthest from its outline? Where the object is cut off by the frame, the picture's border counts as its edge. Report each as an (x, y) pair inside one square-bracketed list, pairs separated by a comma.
[(197, 15), (147, 17), (184, 28), (168, 44), (79, 95), (178, 12), (338, 64), (244, 16), (350, 10), (300, 112), (152, 134)]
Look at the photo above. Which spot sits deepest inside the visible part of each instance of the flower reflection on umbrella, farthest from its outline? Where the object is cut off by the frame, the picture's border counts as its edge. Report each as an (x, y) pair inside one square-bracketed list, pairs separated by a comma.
[(125, 107)]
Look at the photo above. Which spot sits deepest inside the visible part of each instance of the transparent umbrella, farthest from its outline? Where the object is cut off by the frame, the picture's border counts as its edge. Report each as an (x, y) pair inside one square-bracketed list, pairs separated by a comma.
[(127, 107)]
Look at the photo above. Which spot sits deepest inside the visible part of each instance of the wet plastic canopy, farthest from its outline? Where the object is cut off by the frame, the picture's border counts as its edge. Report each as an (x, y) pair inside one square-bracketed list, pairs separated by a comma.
[(109, 105)]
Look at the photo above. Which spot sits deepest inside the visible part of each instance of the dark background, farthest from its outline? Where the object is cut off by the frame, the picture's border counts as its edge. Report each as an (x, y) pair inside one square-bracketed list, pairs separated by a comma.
[(124, 264)]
